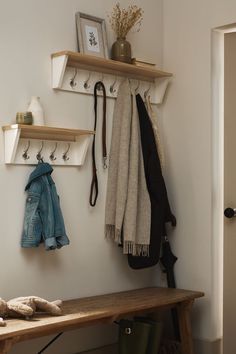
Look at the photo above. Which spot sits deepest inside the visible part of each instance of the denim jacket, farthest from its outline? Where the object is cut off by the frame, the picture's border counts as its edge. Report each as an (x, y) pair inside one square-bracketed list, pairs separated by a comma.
[(43, 221)]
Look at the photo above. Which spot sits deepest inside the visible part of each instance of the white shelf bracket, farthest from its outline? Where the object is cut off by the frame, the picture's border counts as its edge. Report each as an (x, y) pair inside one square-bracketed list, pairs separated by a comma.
[(11, 142), (83, 143), (160, 89), (58, 70), (19, 138), (157, 87), (65, 63)]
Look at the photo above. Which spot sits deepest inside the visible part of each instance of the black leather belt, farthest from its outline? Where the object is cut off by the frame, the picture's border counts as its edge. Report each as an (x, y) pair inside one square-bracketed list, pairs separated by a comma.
[(94, 184)]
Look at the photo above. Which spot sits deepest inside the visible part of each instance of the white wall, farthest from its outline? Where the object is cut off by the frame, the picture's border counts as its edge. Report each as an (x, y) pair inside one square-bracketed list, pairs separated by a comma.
[(30, 31), (187, 125)]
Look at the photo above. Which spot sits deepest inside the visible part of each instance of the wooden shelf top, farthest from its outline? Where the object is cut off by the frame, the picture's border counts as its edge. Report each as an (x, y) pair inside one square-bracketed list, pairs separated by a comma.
[(40, 129), (89, 62), (97, 309), (47, 133)]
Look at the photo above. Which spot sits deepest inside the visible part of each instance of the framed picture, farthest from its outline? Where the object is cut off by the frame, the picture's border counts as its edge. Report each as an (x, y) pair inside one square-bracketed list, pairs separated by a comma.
[(91, 35)]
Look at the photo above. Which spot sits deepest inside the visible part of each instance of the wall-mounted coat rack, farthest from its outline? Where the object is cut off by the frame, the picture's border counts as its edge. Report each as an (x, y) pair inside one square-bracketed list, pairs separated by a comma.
[(28, 144), (78, 72)]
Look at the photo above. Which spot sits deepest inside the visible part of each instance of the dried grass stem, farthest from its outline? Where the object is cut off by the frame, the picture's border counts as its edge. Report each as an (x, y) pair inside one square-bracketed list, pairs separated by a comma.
[(122, 20)]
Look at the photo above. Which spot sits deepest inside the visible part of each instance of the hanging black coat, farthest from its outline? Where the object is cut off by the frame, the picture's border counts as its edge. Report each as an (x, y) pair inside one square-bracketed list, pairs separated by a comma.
[(160, 208)]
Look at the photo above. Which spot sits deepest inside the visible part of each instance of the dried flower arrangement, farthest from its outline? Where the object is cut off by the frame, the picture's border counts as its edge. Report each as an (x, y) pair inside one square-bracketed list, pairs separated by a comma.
[(122, 20)]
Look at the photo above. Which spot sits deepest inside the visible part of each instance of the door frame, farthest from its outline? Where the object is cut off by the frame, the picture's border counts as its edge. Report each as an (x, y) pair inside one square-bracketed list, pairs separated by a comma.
[(217, 89)]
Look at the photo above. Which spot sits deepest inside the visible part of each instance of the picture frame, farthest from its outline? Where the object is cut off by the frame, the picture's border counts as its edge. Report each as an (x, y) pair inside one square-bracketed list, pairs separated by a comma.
[(91, 35)]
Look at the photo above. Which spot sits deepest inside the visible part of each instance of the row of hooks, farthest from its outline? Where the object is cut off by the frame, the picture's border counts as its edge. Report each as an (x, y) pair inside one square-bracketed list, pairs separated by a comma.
[(112, 88), (52, 156)]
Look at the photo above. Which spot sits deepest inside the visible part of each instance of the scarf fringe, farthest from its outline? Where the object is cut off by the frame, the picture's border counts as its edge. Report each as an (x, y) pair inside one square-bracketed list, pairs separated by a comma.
[(130, 247), (113, 233)]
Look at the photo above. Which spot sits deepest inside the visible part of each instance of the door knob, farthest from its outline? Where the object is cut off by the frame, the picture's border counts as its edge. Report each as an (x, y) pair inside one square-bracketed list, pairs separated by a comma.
[(230, 212)]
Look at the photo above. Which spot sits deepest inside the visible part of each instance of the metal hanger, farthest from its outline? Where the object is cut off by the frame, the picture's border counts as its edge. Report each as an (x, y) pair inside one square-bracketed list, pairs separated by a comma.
[(136, 89), (39, 156), (52, 155), (112, 89), (146, 92), (86, 84), (73, 83), (25, 152), (65, 154)]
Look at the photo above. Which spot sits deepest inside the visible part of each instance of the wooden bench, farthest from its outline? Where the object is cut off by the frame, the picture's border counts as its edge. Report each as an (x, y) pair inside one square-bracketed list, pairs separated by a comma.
[(104, 309)]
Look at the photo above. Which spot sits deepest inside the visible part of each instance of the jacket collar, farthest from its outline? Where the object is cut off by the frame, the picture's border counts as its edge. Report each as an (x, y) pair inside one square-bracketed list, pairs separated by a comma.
[(42, 168)]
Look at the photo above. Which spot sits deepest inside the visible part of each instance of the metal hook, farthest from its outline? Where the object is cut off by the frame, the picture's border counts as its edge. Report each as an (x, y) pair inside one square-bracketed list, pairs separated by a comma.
[(25, 152), (72, 81), (146, 92), (64, 156), (112, 89), (136, 89), (101, 80), (52, 155), (39, 156), (86, 85)]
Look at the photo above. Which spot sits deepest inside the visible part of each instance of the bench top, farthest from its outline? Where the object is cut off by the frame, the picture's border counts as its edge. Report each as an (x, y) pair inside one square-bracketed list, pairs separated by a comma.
[(96, 309)]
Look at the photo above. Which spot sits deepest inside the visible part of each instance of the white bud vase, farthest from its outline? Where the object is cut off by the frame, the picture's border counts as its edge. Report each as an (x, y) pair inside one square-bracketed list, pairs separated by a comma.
[(37, 111)]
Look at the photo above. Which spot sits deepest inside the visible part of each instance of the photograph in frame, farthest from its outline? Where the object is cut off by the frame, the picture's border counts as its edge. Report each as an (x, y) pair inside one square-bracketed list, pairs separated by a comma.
[(91, 35)]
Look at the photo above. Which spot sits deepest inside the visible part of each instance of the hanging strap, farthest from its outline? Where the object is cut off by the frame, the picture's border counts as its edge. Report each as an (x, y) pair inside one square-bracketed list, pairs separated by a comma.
[(94, 184)]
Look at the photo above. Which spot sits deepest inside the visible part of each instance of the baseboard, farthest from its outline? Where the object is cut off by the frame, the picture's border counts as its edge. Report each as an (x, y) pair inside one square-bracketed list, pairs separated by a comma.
[(108, 349), (207, 346)]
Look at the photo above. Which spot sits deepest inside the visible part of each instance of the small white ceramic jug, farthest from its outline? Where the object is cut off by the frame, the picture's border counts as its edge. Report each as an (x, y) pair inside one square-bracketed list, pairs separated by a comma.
[(37, 111)]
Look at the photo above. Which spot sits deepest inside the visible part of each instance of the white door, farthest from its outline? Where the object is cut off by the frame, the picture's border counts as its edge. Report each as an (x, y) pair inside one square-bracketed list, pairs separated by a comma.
[(229, 273)]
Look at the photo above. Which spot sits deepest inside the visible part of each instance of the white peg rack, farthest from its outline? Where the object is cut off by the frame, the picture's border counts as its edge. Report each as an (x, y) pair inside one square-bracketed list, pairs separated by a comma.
[(78, 73), (69, 145)]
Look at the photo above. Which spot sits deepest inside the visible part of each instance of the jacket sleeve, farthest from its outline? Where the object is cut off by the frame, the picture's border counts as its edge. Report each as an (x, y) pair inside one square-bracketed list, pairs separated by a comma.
[(47, 216), (32, 228)]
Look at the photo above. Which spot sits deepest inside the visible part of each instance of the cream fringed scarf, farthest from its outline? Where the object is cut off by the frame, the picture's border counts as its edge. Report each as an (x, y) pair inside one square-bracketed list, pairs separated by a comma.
[(128, 209)]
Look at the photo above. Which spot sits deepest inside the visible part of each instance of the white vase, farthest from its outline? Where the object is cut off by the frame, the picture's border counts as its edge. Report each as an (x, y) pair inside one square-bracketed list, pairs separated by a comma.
[(37, 111)]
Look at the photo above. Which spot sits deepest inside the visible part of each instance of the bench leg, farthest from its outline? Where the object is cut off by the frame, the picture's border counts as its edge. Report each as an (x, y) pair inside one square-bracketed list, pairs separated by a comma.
[(185, 327), (5, 346)]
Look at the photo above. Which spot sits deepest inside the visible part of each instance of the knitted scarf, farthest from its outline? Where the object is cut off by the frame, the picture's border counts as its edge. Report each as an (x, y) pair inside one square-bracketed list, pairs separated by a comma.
[(128, 209)]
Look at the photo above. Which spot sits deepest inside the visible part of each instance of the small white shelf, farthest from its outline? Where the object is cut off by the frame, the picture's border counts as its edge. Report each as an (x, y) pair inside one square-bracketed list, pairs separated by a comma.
[(71, 70), (18, 137)]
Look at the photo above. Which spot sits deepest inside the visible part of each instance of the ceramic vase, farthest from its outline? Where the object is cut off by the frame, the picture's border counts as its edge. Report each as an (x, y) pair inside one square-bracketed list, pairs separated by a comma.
[(121, 50), (37, 111)]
